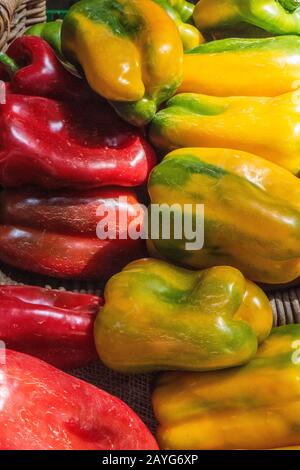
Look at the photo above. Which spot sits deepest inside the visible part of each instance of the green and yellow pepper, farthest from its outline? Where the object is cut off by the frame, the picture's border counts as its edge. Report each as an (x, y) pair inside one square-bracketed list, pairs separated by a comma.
[(265, 126), (161, 317), (244, 18), (251, 212), (130, 51), (249, 67), (190, 36), (184, 8), (252, 407)]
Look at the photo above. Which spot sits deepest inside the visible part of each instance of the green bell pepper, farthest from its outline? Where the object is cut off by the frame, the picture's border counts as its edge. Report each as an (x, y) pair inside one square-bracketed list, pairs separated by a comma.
[(50, 32)]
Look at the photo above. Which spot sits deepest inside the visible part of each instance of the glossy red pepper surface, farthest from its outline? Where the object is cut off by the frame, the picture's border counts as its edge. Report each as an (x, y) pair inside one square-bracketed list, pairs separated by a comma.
[(69, 144), (40, 73), (56, 234), (43, 408), (55, 326)]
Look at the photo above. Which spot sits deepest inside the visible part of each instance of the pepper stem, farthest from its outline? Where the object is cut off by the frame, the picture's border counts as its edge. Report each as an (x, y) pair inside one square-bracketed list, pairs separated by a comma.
[(9, 64), (290, 5)]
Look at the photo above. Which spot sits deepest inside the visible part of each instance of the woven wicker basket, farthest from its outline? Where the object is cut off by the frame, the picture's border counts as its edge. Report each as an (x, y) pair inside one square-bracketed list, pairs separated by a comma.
[(15, 17)]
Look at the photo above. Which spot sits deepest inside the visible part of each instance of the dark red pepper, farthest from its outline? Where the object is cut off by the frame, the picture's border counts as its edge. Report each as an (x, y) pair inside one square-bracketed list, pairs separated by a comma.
[(56, 234), (69, 144), (43, 408), (55, 326), (30, 67)]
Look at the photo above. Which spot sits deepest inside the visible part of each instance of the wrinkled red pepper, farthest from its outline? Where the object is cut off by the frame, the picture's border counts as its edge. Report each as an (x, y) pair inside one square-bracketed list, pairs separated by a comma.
[(55, 326), (56, 234), (69, 144), (43, 408), (30, 67)]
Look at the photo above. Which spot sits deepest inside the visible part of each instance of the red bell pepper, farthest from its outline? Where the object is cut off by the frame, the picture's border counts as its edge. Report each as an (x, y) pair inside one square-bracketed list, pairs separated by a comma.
[(43, 408), (30, 67), (56, 234), (55, 326), (66, 144)]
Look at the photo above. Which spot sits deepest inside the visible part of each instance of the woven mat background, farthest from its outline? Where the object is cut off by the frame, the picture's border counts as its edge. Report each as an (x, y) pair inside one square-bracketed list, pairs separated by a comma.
[(135, 390)]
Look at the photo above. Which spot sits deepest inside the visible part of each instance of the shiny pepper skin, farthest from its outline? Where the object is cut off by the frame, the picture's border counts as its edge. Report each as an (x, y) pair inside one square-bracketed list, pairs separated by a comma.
[(184, 8), (251, 212), (251, 407), (50, 32), (42, 408), (56, 234), (69, 144), (160, 317), (243, 67), (235, 18), (55, 326), (267, 127), (140, 65), (37, 71)]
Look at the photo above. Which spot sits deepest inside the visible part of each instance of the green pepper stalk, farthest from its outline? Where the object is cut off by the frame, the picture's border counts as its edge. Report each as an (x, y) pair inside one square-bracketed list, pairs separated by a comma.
[(10, 66)]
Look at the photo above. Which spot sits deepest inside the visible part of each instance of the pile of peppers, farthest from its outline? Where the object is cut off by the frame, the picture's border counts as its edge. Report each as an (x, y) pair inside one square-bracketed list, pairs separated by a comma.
[(121, 104), (57, 135)]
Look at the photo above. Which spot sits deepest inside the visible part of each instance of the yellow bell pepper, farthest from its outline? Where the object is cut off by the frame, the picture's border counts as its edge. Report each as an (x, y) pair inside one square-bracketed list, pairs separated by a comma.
[(243, 67), (268, 127), (251, 212), (256, 406), (130, 51), (160, 317)]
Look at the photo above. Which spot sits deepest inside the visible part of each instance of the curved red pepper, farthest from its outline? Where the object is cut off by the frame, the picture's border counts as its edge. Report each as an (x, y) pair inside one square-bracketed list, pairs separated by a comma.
[(40, 73), (56, 234), (66, 144), (55, 326), (43, 408)]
